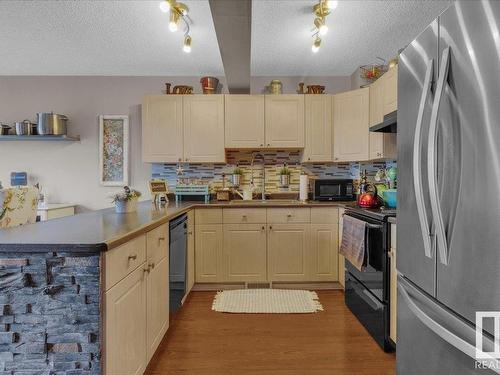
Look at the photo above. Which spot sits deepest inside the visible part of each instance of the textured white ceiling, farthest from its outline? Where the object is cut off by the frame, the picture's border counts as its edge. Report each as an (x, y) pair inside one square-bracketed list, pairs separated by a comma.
[(359, 31), (103, 38)]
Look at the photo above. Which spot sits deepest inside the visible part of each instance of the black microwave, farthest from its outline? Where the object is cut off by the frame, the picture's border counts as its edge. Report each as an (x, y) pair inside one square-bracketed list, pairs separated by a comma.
[(333, 190)]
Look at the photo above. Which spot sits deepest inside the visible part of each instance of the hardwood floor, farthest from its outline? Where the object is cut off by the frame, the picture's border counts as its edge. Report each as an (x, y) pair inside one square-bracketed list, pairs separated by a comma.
[(201, 341)]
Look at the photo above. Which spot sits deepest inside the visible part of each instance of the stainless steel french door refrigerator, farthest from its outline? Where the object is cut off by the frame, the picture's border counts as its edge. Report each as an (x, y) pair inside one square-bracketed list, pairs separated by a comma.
[(448, 219)]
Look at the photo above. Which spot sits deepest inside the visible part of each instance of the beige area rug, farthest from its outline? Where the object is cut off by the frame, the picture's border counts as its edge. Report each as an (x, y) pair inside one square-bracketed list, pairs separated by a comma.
[(267, 301)]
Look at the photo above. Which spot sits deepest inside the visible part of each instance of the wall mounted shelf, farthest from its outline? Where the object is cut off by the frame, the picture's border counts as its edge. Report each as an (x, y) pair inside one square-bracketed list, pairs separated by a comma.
[(64, 138)]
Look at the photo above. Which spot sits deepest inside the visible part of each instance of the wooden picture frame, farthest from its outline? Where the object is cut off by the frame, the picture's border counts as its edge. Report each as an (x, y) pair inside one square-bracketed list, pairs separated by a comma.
[(114, 150)]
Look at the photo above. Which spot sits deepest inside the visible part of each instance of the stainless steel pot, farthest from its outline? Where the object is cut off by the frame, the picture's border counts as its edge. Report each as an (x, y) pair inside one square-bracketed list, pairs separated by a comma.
[(4, 129), (24, 127), (51, 123)]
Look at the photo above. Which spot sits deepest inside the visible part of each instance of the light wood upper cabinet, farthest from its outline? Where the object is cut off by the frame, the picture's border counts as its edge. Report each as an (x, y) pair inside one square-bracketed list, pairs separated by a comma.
[(208, 253), (244, 121), (288, 252), (162, 139), (382, 145), (245, 252), (284, 118), (324, 252), (390, 90), (318, 127), (125, 326), (204, 128), (350, 125)]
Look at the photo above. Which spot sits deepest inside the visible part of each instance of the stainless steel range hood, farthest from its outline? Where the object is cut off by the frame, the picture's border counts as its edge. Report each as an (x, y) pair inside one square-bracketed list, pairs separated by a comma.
[(389, 125)]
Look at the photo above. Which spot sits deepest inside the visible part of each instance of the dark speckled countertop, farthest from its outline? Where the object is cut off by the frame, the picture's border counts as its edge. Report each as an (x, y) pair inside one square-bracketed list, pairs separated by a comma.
[(105, 229)]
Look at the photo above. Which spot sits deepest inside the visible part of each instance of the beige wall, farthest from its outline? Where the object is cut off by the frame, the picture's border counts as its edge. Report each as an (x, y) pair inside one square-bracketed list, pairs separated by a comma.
[(69, 171), (333, 84)]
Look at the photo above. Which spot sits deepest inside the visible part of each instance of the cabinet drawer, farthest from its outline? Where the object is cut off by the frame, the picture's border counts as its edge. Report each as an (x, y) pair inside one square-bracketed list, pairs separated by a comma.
[(288, 215), (208, 216), (325, 215), (121, 261), (157, 243), (244, 215)]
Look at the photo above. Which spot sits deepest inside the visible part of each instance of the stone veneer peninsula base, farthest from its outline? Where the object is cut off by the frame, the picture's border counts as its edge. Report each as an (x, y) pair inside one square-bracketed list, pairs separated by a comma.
[(50, 313)]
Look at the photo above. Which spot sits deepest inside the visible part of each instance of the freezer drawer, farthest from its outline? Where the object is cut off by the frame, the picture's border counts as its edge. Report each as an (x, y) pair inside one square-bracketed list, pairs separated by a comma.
[(431, 339)]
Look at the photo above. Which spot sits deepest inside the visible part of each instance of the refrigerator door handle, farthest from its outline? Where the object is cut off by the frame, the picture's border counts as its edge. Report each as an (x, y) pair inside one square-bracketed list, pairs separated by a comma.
[(437, 215), (417, 162), (444, 333)]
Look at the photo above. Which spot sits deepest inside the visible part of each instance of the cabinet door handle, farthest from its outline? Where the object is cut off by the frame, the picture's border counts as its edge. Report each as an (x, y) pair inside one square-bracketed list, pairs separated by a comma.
[(268, 145), (146, 270), (262, 144), (190, 233), (288, 215), (151, 266), (132, 257), (263, 227), (161, 238), (270, 227)]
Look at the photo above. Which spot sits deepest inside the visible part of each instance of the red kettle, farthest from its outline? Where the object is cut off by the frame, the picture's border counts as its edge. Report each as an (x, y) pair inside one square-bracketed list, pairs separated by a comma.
[(369, 198)]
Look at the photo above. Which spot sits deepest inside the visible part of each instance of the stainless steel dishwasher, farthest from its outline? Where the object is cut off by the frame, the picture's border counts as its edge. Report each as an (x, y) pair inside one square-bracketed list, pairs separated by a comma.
[(177, 259)]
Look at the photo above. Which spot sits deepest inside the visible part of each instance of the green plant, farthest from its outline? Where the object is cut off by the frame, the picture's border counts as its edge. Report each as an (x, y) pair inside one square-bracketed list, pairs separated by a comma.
[(238, 170), (126, 195), (285, 171)]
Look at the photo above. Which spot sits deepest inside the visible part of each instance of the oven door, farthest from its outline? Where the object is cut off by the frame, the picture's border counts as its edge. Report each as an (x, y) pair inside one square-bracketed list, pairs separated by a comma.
[(374, 275)]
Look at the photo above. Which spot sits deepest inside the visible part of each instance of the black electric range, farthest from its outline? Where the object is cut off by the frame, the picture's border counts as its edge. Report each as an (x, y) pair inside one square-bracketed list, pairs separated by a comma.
[(367, 292)]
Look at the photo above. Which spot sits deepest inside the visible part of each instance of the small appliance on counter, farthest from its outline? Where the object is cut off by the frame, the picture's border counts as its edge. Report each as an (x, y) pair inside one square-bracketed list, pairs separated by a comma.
[(333, 190)]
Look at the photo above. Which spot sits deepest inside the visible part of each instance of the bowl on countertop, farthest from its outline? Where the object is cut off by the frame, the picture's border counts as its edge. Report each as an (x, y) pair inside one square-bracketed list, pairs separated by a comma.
[(390, 198)]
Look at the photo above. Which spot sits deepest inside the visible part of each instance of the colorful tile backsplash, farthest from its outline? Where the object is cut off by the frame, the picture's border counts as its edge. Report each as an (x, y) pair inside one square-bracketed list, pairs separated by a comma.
[(274, 159)]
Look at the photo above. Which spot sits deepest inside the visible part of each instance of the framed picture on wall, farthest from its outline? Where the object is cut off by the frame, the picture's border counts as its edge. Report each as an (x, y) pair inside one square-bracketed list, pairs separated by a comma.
[(113, 150)]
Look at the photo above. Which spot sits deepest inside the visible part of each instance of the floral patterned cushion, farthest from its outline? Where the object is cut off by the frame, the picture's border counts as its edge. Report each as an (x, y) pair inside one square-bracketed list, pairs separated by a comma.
[(18, 206)]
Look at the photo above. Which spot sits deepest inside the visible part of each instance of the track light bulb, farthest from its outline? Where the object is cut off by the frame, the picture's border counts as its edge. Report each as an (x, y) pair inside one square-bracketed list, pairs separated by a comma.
[(316, 44), (165, 6), (174, 20), (187, 44), (320, 25), (332, 4)]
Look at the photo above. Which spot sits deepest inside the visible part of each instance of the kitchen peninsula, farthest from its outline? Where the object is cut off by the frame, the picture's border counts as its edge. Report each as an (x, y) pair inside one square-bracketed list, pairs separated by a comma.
[(80, 291)]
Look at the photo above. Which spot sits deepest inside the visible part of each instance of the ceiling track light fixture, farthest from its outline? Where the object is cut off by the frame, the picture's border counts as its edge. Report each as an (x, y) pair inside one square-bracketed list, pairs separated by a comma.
[(321, 10), (178, 11)]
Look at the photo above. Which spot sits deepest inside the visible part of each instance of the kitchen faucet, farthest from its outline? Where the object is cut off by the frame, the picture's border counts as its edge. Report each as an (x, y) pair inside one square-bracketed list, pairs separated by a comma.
[(254, 156)]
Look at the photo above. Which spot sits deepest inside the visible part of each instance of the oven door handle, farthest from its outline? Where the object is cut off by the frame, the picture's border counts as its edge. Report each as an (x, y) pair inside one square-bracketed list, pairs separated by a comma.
[(368, 225)]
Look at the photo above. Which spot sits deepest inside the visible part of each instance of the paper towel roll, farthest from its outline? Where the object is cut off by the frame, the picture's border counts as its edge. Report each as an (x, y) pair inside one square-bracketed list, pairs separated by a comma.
[(303, 187)]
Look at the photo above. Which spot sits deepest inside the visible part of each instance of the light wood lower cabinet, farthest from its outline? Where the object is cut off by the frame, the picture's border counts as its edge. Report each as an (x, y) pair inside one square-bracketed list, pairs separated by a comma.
[(136, 314), (341, 257), (324, 252), (157, 297), (274, 244), (393, 287), (245, 252), (190, 252), (208, 253), (288, 248), (125, 325)]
